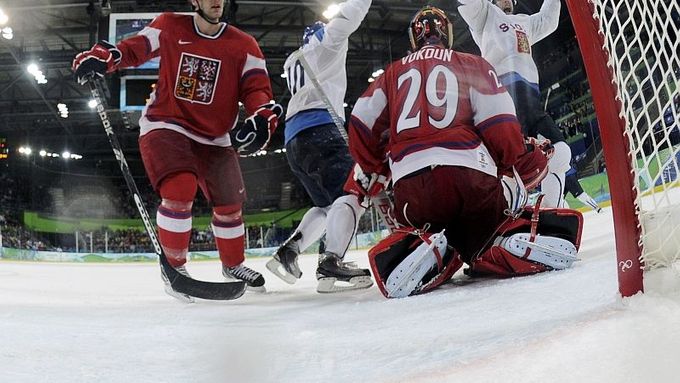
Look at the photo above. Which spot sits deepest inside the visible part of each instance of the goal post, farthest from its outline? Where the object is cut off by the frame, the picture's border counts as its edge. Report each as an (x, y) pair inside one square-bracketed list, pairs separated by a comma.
[(630, 53)]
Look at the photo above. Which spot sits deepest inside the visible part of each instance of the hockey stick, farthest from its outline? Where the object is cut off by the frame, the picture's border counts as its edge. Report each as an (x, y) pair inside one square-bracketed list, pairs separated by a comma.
[(381, 201), (180, 282)]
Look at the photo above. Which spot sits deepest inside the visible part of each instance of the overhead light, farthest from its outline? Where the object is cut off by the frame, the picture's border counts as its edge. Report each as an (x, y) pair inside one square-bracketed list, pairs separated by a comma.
[(66, 155), (331, 11), (371, 79), (33, 69), (284, 75), (63, 110), (344, 105), (43, 153), (7, 33), (25, 150), (3, 17), (378, 73), (92, 104)]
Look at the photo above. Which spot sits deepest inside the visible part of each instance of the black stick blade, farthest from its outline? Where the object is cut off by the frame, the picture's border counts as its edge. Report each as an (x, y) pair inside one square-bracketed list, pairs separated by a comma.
[(217, 291)]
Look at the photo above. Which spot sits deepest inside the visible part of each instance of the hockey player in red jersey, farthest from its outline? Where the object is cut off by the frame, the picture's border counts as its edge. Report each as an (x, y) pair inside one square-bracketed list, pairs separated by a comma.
[(188, 132), (456, 154)]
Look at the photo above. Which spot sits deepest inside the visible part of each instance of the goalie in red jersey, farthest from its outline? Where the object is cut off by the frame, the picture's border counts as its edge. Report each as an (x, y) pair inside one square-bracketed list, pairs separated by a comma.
[(189, 136), (460, 167)]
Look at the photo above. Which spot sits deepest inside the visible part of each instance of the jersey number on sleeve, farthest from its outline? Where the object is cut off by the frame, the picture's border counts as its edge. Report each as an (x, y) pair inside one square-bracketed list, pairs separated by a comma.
[(441, 94), (295, 77)]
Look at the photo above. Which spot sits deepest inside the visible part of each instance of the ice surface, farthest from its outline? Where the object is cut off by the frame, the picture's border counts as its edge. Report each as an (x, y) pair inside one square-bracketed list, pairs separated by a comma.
[(113, 323)]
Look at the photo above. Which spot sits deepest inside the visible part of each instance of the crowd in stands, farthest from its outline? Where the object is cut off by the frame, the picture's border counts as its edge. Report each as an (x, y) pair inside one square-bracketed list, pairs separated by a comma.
[(134, 240), (17, 237)]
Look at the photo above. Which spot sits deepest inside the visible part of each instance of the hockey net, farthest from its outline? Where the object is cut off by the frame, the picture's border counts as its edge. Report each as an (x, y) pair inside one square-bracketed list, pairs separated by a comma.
[(630, 51)]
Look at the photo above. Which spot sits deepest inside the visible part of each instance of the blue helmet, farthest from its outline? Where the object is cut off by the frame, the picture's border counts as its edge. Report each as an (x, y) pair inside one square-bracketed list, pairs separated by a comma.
[(311, 31)]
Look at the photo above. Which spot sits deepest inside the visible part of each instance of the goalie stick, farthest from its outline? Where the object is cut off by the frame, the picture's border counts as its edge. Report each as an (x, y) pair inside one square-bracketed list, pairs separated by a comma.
[(179, 282), (381, 201)]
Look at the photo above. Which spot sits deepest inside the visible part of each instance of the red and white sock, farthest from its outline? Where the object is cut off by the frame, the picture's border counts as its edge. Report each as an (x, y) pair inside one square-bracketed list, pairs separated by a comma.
[(174, 232), (229, 237)]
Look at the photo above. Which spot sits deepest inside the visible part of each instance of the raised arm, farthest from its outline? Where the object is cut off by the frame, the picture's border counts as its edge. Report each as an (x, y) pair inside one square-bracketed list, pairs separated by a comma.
[(348, 19), (545, 21), (474, 12)]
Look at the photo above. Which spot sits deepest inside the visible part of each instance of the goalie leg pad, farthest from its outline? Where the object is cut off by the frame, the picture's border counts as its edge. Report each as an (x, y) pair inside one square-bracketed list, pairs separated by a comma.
[(408, 263), (556, 253), (500, 263), (410, 272)]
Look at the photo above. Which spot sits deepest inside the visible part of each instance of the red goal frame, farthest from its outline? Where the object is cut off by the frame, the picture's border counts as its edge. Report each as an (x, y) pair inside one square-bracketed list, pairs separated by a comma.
[(615, 144)]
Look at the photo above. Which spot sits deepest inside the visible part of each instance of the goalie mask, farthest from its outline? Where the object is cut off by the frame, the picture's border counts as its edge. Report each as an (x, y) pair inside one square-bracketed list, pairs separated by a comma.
[(430, 26), (311, 31)]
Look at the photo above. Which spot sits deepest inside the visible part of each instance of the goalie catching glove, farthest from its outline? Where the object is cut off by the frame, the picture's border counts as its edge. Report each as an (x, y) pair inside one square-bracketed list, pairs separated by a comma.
[(256, 131), (101, 59)]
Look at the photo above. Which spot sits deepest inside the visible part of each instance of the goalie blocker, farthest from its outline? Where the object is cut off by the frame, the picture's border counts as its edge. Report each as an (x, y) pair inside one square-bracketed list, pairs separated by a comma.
[(410, 262)]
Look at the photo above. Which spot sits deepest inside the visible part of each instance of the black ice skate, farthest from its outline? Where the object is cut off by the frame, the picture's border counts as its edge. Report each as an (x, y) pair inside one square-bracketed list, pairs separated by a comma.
[(284, 263), (331, 270), (252, 278), (170, 291)]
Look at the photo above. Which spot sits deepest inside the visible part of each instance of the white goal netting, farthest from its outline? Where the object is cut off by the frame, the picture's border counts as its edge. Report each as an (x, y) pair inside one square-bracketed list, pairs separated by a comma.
[(643, 41)]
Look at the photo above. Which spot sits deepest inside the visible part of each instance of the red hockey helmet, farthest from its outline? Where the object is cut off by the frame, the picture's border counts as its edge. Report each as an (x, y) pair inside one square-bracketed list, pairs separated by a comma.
[(430, 26)]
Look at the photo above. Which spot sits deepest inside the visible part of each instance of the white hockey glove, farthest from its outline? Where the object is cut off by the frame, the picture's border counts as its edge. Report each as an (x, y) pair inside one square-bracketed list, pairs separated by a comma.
[(515, 194), (256, 131)]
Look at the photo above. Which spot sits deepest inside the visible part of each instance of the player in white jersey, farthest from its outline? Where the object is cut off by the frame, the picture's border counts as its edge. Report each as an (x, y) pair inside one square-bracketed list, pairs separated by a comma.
[(505, 40), (318, 153)]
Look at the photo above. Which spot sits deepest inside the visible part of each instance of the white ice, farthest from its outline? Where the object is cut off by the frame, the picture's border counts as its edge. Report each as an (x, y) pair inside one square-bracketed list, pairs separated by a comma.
[(113, 323)]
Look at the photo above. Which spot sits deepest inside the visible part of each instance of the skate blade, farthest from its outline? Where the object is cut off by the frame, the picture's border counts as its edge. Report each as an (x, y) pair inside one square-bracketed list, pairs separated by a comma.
[(258, 289), (252, 289), (277, 269), (328, 284), (403, 281), (179, 296)]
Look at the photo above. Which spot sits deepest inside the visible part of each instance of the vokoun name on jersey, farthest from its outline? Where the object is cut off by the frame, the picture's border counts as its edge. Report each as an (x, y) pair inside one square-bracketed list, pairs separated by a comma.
[(424, 54)]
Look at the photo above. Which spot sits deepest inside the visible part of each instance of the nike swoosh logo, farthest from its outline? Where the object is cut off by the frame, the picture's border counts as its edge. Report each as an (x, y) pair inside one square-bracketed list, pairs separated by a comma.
[(241, 190), (184, 42)]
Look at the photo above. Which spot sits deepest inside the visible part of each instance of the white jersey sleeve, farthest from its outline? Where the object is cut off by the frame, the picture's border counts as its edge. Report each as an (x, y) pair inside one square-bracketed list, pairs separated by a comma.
[(326, 54), (544, 22), (475, 13), (348, 20)]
